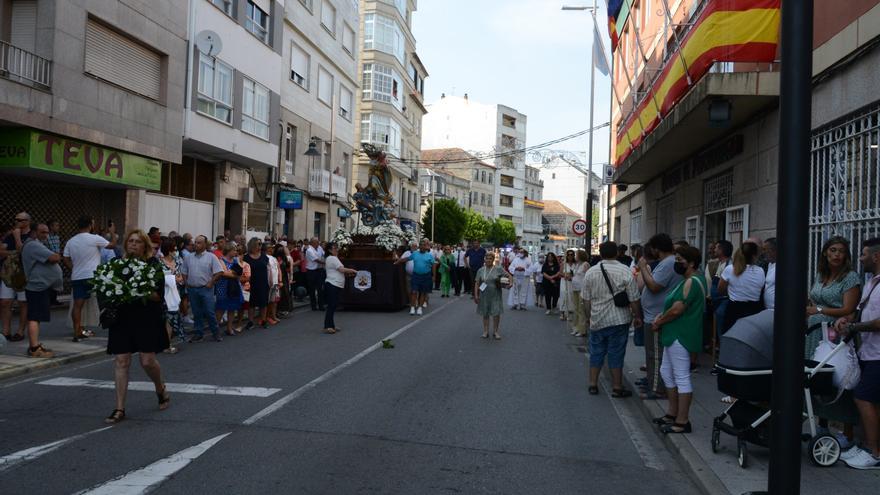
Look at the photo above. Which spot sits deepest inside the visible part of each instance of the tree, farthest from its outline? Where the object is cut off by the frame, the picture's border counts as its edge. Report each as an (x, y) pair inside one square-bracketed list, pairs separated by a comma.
[(450, 220), (476, 227), (502, 232)]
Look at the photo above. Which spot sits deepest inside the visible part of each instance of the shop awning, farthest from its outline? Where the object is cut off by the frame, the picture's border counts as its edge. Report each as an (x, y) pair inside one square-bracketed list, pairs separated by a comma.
[(37, 153)]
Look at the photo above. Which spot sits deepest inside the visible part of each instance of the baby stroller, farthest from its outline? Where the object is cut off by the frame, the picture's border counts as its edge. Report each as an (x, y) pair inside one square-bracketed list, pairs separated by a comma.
[(745, 371)]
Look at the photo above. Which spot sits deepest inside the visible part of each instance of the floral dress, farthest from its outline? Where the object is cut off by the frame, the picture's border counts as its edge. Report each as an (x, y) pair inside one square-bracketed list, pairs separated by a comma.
[(490, 299), (228, 300), (827, 296)]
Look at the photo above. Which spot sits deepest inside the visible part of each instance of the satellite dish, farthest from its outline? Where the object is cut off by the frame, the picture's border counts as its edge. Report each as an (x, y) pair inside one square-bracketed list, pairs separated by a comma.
[(208, 42)]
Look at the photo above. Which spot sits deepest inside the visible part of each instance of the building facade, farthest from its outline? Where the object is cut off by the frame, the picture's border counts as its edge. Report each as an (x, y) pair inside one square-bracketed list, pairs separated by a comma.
[(320, 82), (557, 219), (533, 208), (90, 107), (485, 130), (710, 170), (438, 183), (390, 103), (479, 174)]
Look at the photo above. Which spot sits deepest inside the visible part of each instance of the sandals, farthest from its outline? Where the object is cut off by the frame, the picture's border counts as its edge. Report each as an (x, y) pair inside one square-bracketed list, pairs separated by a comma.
[(164, 399), (484, 336), (116, 416), (17, 337), (593, 390), (664, 420), (497, 336), (621, 393), (676, 428)]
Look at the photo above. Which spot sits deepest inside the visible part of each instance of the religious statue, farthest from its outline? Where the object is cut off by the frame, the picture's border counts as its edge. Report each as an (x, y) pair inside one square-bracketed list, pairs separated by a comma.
[(374, 202)]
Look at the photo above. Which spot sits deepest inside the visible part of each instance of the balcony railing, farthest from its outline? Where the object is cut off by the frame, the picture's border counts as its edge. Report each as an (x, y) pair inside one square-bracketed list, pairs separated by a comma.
[(25, 67), (320, 181)]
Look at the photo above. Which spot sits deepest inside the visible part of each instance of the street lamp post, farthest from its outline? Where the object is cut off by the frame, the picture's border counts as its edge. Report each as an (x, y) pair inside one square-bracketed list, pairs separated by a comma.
[(588, 208)]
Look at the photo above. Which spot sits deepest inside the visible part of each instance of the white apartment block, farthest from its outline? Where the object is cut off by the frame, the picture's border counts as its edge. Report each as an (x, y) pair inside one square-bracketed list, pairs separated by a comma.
[(568, 184), (318, 90), (484, 129), (533, 229), (390, 101)]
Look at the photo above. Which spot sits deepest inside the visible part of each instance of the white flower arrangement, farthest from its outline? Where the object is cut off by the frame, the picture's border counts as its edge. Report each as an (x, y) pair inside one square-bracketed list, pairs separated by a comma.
[(389, 235), (124, 280), (341, 237)]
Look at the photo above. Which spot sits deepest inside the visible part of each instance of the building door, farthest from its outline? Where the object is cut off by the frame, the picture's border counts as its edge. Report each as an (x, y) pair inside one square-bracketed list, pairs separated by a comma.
[(730, 224), (233, 216), (319, 225)]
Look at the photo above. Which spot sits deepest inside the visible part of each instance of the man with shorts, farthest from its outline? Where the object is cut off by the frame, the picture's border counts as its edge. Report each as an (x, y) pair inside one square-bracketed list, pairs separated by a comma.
[(43, 276), (422, 279), (11, 245), (82, 254)]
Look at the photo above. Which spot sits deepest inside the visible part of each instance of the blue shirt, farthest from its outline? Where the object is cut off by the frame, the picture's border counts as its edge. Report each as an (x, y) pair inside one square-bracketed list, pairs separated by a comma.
[(477, 257), (422, 262)]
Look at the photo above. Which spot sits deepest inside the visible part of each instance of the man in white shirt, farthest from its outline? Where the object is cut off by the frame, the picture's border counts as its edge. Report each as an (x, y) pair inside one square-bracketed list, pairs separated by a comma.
[(462, 272), (82, 254), (770, 280), (315, 274), (519, 268)]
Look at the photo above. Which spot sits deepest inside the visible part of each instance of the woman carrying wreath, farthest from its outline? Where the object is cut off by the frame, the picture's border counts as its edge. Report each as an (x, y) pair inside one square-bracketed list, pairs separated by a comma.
[(139, 327)]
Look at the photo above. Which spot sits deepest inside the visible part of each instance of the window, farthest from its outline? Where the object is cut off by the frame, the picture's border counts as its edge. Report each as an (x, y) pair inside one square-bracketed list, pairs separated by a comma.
[(299, 66), (505, 200), (346, 163), (482, 199), (289, 149), (476, 175), (483, 176), (328, 155), (345, 101), (491, 178), (215, 89), (635, 226), (255, 109), (506, 180), (257, 22), (328, 17), (508, 142), (381, 83), (348, 39), (307, 4), (383, 34), (381, 131), (508, 121), (117, 59), (24, 25), (692, 230), (400, 4), (325, 86), (224, 5)]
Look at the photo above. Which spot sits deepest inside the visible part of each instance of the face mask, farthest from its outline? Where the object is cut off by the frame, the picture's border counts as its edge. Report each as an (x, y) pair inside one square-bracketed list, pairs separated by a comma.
[(521, 255), (680, 268)]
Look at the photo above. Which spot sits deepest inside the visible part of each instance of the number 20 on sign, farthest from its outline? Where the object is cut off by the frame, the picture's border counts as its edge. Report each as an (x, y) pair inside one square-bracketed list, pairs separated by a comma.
[(579, 227)]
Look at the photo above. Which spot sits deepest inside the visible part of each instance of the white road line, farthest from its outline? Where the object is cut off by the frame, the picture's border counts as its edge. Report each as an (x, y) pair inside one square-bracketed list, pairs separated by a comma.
[(186, 388), (149, 478), (275, 406), (32, 453), (636, 436), (56, 373)]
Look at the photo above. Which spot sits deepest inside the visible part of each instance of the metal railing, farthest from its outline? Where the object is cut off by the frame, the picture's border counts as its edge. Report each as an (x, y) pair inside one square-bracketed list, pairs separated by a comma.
[(25, 67)]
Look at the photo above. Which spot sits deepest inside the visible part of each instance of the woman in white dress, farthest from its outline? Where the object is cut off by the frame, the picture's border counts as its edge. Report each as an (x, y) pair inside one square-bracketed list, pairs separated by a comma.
[(566, 288), (579, 320)]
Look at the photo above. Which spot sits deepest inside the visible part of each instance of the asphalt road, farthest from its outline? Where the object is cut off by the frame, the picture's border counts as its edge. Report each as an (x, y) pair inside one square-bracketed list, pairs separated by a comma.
[(442, 412)]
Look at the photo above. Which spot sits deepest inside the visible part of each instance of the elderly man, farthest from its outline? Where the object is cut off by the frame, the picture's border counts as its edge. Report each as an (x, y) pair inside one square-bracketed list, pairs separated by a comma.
[(423, 271), (200, 271), (315, 274), (43, 276)]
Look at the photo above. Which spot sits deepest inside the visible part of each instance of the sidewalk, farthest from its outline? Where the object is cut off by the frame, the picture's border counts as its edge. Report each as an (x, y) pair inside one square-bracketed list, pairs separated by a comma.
[(57, 336), (720, 473)]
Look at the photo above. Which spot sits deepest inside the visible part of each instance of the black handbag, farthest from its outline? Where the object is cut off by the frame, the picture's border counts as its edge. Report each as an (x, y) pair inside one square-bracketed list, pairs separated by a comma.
[(621, 299), (109, 316)]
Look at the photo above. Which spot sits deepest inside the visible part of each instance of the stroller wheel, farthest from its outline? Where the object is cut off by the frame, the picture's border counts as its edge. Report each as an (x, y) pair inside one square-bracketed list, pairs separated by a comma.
[(716, 439), (742, 454), (824, 450)]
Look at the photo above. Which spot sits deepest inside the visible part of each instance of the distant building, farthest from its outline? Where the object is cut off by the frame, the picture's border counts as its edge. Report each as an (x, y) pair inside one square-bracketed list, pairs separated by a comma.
[(533, 208), (479, 174), (558, 219)]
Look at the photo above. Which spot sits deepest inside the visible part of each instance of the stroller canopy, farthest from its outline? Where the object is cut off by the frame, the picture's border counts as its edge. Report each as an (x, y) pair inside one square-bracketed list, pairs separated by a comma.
[(749, 343)]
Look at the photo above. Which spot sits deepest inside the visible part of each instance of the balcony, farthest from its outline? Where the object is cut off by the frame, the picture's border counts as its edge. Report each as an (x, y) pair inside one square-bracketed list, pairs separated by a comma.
[(321, 180), (535, 228), (24, 67)]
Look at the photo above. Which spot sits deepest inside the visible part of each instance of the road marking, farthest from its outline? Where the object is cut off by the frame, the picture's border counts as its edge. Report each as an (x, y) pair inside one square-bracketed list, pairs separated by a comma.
[(56, 373), (149, 478), (636, 436), (186, 388), (32, 453), (287, 399)]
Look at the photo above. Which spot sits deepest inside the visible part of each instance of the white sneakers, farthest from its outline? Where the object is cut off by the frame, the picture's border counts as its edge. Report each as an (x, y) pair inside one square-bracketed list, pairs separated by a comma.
[(419, 311), (860, 459), (412, 310)]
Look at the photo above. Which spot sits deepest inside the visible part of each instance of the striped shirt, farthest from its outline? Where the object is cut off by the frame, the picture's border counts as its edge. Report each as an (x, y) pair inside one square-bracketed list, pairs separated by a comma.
[(603, 312)]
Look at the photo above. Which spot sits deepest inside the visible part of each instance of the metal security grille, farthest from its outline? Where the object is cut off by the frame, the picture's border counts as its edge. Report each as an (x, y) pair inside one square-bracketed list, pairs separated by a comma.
[(845, 177), (717, 192)]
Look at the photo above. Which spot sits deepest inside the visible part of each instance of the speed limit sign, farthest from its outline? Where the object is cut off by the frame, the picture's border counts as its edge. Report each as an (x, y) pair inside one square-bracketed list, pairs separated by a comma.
[(579, 227)]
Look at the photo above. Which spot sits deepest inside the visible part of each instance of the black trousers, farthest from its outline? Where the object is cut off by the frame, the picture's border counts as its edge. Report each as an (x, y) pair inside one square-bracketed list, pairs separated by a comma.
[(315, 280), (331, 293), (462, 280), (551, 294)]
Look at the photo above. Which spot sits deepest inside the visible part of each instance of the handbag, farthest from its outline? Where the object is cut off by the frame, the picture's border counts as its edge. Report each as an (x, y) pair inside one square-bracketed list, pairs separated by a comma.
[(621, 299), (12, 272), (847, 372), (109, 316)]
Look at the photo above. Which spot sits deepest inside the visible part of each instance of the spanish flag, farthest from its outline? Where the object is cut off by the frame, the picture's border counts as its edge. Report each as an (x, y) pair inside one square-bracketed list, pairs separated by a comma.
[(614, 7), (726, 31)]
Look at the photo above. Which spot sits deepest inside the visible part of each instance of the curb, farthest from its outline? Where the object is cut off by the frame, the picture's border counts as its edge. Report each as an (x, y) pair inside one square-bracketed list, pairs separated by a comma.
[(696, 468), (50, 363)]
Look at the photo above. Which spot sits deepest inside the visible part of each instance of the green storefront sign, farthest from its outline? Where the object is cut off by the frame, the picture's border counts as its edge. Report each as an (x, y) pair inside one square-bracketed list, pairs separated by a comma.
[(26, 148)]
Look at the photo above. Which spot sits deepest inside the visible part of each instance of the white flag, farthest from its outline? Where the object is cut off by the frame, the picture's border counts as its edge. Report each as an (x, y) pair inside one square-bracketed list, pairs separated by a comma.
[(601, 62)]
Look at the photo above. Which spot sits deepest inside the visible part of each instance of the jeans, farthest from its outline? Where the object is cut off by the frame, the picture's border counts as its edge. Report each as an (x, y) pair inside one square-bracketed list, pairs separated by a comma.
[(611, 342), (331, 296), (201, 300), (315, 280)]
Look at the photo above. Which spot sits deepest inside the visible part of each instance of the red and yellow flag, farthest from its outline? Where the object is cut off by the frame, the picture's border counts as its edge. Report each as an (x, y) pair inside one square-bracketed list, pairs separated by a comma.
[(726, 31)]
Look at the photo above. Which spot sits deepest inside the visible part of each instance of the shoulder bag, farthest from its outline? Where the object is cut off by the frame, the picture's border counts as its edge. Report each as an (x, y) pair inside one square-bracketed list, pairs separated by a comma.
[(621, 299)]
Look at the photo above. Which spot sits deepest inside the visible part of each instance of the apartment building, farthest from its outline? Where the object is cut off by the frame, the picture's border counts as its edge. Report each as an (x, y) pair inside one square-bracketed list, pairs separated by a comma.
[(438, 183), (533, 208), (91, 100), (390, 103), (708, 169), (319, 83), (558, 219), (479, 174), (485, 129)]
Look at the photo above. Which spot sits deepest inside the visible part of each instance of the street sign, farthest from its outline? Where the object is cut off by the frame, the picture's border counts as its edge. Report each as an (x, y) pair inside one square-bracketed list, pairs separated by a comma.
[(608, 175), (579, 227)]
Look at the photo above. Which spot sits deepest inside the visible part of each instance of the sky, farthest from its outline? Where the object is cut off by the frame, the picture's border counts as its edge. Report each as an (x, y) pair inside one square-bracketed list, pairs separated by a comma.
[(526, 54)]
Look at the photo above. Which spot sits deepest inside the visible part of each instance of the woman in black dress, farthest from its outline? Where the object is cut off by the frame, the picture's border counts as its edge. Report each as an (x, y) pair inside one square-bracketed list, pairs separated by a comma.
[(552, 273), (259, 263), (139, 327)]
